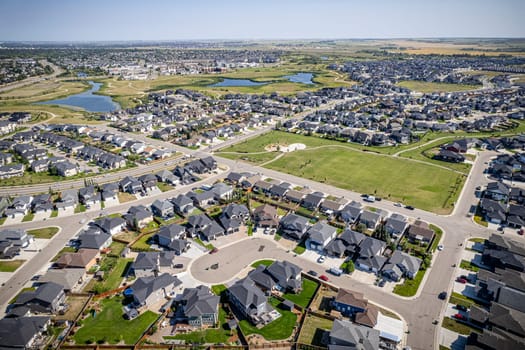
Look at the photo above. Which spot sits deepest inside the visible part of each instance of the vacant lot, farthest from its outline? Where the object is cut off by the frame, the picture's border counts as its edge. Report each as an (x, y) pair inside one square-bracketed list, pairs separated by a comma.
[(109, 325), (45, 233), (313, 329), (424, 86), (75, 304)]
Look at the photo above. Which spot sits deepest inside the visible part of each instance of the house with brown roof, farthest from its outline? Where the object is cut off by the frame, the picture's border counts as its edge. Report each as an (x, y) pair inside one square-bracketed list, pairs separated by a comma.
[(419, 231), (83, 259), (265, 216)]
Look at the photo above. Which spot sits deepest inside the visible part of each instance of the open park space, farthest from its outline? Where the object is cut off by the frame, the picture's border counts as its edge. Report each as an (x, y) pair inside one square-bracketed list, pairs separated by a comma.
[(421, 185)]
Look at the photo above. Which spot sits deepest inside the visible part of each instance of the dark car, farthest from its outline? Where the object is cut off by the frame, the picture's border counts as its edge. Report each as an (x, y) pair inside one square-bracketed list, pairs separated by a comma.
[(178, 266), (461, 307), (442, 295), (214, 250), (409, 207), (382, 283), (312, 273)]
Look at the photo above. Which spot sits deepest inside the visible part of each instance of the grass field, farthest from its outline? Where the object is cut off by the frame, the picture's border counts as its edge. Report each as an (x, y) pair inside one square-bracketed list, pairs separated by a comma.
[(457, 327), (424, 86), (110, 326), (304, 297), (44, 90), (45, 232), (10, 266), (281, 328), (313, 329)]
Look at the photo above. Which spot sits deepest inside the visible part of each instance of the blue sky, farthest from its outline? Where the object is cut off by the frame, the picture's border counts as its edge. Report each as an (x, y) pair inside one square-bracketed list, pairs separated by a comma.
[(97, 20)]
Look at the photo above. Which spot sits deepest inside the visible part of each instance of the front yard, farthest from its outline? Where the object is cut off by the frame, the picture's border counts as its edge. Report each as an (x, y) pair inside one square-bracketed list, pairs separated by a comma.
[(109, 326), (44, 233), (10, 266), (409, 287)]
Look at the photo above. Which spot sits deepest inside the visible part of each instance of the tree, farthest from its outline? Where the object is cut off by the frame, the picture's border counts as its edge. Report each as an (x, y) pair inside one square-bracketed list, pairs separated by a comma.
[(350, 267), (360, 228)]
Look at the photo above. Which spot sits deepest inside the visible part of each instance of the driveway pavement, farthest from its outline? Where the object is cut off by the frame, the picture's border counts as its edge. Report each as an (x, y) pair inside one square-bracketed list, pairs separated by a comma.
[(452, 340)]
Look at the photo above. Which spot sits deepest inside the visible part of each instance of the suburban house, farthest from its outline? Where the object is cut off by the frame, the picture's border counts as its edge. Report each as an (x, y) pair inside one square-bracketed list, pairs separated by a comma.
[(167, 177), (20, 206), (319, 235), (17, 237), (494, 211), (262, 278), (94, 238), (153, 289), (200, 306), (294, 226), (47, 298), (349, 303), (89, 196), (211, 231), (23, 332), (149, 182), (110, 191), (250, 301), (138, 217), (197, 223), (396, 225), (183, 204), (83, 259), (152, 263), (287, 276), (131, 185), (294, 196), (111, 225), (66, 169), (407, 266), (497, 191), (233, 216), (420, 231), (163, 208), (203, 199), (312, 200), (331, 207), (170, 237), (68, 199), (68, 278), (221, 191), (370, 255), (351, 212), (265, 216), (370, 219), (347, 335)]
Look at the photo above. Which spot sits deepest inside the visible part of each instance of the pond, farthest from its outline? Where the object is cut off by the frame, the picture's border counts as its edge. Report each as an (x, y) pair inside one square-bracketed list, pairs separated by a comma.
[(87, 100), (303, 78), (236, 82)]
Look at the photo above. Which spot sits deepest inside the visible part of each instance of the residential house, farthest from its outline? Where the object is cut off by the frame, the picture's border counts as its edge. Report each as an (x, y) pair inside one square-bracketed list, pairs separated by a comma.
[(293, 226), (23, 332), (167, 177), (68, 199), (111, 225), (250, 301), (138, 217), (17, 237), (94, 238), (262, 187), (110, 191), (349, 303), (497, 191), (152, 263), (131, 185), (66, 169), (351, 212), (150, 290), (312, 200), (319, 235), (265, 216), (401, 265), (347, 335), (42, 203), (83, 259), (20, 206), (89, 196), (370, 255), (221, 191), (47, 298), (331, 207), (370, 219), (11, 170), (197, 223), (233, 216), (420, 231), (183, 204), (68, 278), (211, 231), (200, 306), (203, 199), (396, 225), (163, 208), (287, 276), (149, 182)]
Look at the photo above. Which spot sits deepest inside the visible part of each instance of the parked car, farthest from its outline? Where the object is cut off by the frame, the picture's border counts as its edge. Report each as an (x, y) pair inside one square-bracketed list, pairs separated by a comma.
[(442, 295), (321, 259), (520, 232), (461, 280), (312, 273), (397, 204), (460, 317), (214, 250), (440, 247), (178, 266), (382, 283), (324, 278), (409, 207), (461, 307)]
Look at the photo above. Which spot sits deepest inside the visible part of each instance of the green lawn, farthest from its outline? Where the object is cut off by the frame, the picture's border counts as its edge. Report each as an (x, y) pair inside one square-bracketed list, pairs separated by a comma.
[(262, 262), (205, 245), (279, 329), (110, 326), (409, 287), (218, 289), (211, 335), (164, 187), (422, 185), (467, 265), (2, 220), (477, 240), (457, 327), (28, 217), (113, 276), (437, 238), (62, 251), (141, 244), (45, 233), (304, 297), (80, 208), (300, 248), (54, 213), (424, 86), (461, 299), (10, 266), (313, 329)]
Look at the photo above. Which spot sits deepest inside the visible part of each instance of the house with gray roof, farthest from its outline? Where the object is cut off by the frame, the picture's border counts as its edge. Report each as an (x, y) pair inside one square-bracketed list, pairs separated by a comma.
[(351, 212), (319, 235), (370, 219), (294, 226), (197, 223), (163, 208), (110, 191), (94, 239), (370, 255), (294, 196), (182, 204), (401, 265), (167, 177), (89, 195), (396, 225), (152, 263), (152, 289), (312, 200), (347, 335), (47, 298), (17, 237), (23, 332), (200, 306), (233, 216), (20, 206), (262, 278), (287, 276), (167, 234), (68, 278), (138, 217), (222, 191), (111, 225), (250, 301), (211, 231), (203, 199), (497, 191)]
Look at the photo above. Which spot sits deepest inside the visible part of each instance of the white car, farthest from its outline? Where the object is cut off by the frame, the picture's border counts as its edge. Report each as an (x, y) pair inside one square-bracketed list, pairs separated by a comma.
[(397, 204), (440, 247), (321, 259)]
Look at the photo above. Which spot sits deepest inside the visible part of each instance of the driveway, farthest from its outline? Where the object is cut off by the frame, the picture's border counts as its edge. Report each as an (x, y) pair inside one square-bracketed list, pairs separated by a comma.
[(452, 340)]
